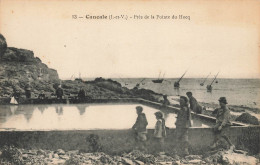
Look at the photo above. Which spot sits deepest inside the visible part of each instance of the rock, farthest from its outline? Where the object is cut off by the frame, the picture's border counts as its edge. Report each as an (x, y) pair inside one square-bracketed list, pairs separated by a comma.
[(66, 157), (138, 162), (247, 118), (240, 152), (50, 156), (105, 159), (162, 163), (127, 161), (55, 156), (57, 161), (31, 152), (176, 162), (191, 157), (41, 152), (195, 161), (19, 66), (3, 45), (73, 152), (88, 162), (60, 152), (234, 158), (25, 156)]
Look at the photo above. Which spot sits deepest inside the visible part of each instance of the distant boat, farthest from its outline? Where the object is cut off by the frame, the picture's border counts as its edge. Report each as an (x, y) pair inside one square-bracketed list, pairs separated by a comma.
[(159, 80), (13, 101), (202, 84), (177, 83), (209, 87)]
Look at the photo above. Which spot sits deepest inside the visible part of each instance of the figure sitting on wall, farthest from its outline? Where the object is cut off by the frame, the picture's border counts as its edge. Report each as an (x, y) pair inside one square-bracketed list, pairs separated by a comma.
[(194, 105), (165, 100), (222, 123), (59, 92)]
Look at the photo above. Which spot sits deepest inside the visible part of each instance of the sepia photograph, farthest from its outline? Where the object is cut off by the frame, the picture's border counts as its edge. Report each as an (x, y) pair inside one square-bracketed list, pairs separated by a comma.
[(130, 82)]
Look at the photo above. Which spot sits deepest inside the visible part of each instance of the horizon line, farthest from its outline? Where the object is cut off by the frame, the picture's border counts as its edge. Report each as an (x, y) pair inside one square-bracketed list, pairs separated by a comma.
[(67, 78)]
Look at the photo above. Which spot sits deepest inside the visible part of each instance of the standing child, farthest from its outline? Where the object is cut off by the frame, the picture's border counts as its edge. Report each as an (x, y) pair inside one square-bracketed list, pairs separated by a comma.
[(159, 132)]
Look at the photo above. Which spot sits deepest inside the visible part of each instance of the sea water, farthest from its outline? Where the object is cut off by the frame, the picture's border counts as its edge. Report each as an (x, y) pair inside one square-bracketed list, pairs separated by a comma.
[(245, 92), (80, 117)]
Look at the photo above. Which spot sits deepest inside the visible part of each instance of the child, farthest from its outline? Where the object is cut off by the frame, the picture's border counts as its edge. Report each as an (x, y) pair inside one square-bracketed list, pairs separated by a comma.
[(160, 132)]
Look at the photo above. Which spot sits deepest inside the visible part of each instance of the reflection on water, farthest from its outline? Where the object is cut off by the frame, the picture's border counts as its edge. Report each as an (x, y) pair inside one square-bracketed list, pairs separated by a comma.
[(80, 116)]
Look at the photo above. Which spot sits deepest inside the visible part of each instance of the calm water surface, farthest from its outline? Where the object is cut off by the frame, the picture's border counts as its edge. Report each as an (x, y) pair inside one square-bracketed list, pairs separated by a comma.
[(78, 116)]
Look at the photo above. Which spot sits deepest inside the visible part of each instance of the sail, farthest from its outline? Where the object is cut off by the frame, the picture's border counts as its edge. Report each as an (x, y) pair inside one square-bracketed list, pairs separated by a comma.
[(13, 101)]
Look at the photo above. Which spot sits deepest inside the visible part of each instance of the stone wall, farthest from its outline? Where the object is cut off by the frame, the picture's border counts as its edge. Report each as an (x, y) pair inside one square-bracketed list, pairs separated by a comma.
[(120, 141)]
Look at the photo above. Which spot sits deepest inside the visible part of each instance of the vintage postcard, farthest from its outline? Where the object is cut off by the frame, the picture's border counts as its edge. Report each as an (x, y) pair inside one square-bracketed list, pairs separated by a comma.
[(129, 82)]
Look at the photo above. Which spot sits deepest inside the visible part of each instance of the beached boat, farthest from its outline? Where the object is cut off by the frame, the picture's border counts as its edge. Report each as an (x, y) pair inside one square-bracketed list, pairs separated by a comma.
[(177, 83)]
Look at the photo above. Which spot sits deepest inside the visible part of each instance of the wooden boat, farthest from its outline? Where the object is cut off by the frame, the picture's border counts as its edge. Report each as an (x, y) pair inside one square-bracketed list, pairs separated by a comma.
[(138, 84), (209, 87), (159, 80), (202, 84), (177, 83)]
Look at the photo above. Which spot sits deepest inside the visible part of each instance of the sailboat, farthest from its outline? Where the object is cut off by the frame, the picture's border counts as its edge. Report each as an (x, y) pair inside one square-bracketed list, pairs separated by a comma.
[(201, 84), (159, 80), (177, 83), (13, 101), (138, 84), (209, 87)]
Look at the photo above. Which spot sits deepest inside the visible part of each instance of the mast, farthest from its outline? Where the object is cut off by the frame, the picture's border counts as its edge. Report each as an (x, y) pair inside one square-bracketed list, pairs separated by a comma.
[(159, 75), (163, 75), (177, 83), (182, 76), (214, 78), (205, 80)]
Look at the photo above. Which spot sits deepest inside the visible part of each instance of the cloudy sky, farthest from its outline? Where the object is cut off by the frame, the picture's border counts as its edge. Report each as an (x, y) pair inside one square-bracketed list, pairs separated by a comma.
[(220, 36)]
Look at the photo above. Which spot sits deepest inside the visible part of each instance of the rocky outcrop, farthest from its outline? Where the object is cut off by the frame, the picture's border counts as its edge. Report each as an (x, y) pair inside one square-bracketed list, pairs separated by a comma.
[(19, 68), (3, 44)]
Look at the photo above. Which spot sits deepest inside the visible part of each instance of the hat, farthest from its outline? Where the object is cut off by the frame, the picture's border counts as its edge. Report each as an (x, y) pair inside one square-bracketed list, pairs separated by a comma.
[(189, 93), (223, 100), (139, 108), (184, 98), (158, 114)]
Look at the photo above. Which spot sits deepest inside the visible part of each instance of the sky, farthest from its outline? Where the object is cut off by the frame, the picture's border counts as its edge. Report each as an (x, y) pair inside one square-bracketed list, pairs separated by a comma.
[(220, 36)]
